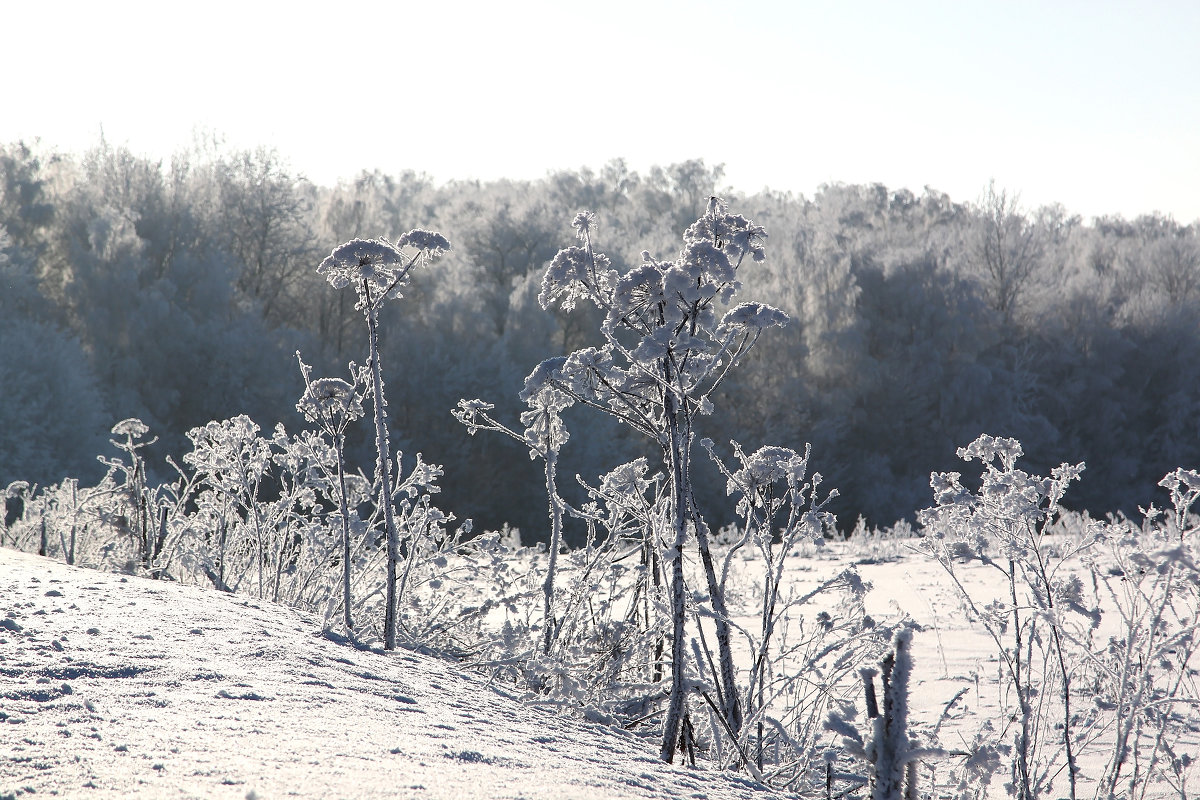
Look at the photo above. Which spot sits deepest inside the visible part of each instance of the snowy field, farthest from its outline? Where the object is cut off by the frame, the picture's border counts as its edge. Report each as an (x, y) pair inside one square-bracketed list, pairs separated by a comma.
[(118, 686)]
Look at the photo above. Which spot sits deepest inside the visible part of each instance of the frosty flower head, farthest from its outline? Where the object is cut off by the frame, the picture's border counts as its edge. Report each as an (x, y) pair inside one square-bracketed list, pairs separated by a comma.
[(947, 488), (377, 268), (580, 372), (991, 448), (16, 489), (732, 233), (474, 406), (639, 289), (331, 401), (468, 413), (1184, 486), (766, 466), (569, 275), (132, 427), (542, 378), (431, 243), (770, 464), (1181, 481), (361, 260), (583, 223), (544, 429), (752, 317), (712, 261), (229, 451), (627, 480)]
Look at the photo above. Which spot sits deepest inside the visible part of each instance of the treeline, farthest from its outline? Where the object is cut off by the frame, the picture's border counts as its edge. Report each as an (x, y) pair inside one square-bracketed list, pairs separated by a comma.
[(179, 292)]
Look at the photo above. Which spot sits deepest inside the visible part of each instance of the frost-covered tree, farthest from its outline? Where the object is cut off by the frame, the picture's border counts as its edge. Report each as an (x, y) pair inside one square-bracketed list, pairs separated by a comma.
[(1007, 248), (378, 270), (52, 415), (665, 352)]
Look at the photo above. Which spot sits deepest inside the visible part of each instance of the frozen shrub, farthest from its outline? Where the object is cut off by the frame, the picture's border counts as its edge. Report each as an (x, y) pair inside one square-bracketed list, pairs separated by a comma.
[(890, 752), (1069, 583), (802, 664)]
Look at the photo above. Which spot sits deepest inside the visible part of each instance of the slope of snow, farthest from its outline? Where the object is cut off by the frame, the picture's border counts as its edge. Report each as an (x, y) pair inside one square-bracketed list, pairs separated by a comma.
[(118, 686)]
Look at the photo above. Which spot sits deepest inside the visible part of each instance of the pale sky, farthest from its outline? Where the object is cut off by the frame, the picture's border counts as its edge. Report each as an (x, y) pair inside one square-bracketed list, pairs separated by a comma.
[(1095, 105)]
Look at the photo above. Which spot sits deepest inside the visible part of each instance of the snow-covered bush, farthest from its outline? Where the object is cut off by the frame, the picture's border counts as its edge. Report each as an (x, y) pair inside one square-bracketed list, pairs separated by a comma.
[(260, 492), (802, 660), (671, 335)]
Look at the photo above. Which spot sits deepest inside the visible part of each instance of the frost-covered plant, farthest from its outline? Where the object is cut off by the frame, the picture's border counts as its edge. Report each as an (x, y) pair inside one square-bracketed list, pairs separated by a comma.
[(1144, 686), (257, 508), (610, 612), (115, 523), (627, 516), (544, 435), (16, 501), (891, 752), (665, 352), (332, 404), (778, 506), (232, 462), (378, 270), (135, 500), (253, 510), (1041, 611), (802, 660), (1184, 486)]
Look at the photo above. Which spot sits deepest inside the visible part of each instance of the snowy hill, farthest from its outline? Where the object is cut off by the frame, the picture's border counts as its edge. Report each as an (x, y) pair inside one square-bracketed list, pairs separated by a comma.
[(117, 686)]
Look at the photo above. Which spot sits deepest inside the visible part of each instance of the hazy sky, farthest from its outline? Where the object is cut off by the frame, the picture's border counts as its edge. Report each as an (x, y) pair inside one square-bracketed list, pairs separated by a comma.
[(1092, 104)]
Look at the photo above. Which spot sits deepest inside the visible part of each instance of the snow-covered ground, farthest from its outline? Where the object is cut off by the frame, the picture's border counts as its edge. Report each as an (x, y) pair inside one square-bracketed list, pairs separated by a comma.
[(118, 686)]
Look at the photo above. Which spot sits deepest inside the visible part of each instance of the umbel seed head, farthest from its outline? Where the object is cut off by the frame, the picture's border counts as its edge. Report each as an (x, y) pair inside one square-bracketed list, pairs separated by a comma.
[(377, 268)]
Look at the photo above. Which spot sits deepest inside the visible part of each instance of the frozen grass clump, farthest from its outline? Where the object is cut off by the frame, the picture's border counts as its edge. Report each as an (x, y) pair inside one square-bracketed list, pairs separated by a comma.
[(1095, 625)]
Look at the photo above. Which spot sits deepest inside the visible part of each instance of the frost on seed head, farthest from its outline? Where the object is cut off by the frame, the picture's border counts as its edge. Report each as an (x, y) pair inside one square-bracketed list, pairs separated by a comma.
[(583, 223), (131, 427), (330, 399), (753, 316), (378, 268), (359, 259), (429, 241)]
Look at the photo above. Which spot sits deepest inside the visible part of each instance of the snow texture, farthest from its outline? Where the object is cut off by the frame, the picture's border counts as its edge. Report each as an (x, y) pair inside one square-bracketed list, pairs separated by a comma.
[(116, 686)]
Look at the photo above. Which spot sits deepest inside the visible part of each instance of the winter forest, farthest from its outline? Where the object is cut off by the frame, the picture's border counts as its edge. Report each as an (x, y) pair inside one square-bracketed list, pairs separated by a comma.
[(178, 294), (582, 435)]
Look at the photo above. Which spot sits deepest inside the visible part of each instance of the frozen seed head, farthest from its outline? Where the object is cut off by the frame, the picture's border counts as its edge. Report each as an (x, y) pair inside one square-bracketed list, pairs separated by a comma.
[(584, 223), (432, 243), (360, 260), (131, 427), (330, 399), (376, 267)]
